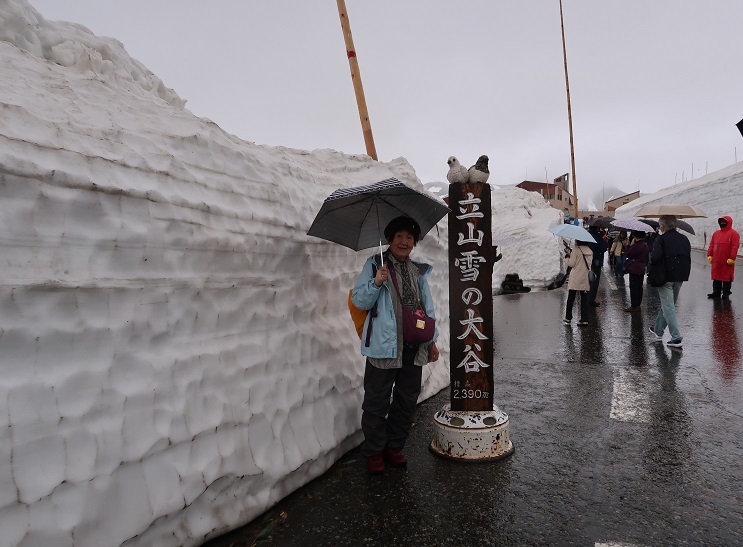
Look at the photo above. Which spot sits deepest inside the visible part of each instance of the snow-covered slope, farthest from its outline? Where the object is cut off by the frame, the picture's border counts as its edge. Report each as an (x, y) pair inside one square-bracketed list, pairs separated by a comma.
[(536, 254), (176, 353), (717, 194)]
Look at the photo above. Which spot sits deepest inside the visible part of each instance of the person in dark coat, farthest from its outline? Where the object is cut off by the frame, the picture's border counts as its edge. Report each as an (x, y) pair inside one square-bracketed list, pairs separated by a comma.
[(598, 249), (722, 252), (636, 261), (674, 250)]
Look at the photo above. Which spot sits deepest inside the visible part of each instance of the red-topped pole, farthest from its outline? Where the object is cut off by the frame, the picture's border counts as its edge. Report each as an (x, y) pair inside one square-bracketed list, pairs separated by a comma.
[(356, 79)]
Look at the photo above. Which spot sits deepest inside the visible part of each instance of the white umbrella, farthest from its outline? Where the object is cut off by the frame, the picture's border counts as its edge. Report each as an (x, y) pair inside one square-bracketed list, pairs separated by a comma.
[(632, 224), (570, 231), (664, 209)]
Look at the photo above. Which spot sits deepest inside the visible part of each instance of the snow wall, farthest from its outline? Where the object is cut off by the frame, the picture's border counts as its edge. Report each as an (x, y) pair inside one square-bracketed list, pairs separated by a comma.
[(176, 353), (717, 194)]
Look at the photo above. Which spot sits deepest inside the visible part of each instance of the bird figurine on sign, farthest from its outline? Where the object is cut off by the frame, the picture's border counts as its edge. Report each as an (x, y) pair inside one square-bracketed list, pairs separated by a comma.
[(479, 172), (457, 172)]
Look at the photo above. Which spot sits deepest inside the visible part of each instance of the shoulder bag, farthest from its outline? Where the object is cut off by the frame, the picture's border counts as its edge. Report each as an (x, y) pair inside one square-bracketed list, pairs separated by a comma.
[(591, 273), (417, 327)]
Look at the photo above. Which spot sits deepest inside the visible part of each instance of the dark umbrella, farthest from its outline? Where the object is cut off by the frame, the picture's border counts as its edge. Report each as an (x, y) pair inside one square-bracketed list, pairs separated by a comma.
[(680, 224), (739, 125), (355, 217), (601, 222)]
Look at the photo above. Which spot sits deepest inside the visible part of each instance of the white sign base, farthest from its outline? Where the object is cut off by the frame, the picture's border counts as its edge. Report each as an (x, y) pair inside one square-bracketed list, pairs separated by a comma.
[(471, 436)]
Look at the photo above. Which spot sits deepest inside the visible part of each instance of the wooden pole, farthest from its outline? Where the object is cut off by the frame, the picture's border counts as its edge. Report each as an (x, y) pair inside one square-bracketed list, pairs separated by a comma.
[(570, 113), (356, 79)]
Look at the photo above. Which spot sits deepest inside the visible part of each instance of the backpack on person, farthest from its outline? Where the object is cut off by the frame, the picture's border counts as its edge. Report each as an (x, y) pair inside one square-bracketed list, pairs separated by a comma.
[(357, 314)]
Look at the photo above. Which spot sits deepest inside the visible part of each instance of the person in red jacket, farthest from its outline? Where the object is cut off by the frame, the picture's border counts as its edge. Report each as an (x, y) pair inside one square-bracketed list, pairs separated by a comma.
[(723, 249)]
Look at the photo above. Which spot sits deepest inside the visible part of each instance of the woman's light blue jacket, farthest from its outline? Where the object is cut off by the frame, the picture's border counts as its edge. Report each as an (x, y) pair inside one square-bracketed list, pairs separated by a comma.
[(383, 341)]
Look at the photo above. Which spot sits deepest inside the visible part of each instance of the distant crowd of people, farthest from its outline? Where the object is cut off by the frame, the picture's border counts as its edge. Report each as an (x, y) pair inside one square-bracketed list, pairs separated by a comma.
[(637, 254)]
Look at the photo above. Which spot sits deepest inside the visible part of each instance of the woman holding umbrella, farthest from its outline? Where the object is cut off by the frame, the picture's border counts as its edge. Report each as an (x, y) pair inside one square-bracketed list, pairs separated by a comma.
[(579, 261), (392, 378)]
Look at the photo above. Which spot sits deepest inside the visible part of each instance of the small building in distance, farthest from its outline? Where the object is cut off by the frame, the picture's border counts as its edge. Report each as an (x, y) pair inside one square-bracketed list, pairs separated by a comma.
[(556, 194), (613, 204)]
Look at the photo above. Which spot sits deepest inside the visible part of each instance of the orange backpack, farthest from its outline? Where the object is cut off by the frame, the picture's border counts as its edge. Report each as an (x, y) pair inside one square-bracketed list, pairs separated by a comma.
[(359, 316)]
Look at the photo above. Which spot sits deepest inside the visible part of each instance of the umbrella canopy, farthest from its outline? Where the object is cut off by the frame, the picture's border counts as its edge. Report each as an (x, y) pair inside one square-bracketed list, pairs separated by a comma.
[(632, 224), (677, 210), (571, 231), (600, 222), (680, 224), (356, 217)]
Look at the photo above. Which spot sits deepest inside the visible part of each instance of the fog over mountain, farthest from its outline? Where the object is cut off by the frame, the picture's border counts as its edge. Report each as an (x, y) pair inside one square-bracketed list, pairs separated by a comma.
[(598, 197)]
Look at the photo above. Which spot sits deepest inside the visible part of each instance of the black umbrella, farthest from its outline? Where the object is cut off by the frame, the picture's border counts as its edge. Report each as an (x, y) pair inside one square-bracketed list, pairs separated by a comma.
[(739, 125), (600, 222), (680, 224), (355, 217)]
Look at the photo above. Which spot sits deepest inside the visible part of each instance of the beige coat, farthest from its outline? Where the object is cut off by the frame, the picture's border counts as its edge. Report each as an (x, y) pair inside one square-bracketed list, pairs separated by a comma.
[(578, 280)]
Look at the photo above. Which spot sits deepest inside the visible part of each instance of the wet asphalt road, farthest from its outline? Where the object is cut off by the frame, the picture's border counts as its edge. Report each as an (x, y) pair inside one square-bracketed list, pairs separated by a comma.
[(618, 441)]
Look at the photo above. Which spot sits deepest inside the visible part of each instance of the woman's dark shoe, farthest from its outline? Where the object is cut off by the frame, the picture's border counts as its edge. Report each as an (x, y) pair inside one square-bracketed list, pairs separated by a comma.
[(375, 464), (394, 458), (713, 295)]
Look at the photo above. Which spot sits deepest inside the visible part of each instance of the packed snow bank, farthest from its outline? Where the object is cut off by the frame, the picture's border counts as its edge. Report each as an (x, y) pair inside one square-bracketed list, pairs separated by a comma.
[(75, 47), (176, 353), (536, 256), (717, 194)]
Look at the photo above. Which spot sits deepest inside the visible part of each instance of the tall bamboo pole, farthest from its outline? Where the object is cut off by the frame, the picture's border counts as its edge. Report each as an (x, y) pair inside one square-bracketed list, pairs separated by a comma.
[(570, 113), (356, 79)]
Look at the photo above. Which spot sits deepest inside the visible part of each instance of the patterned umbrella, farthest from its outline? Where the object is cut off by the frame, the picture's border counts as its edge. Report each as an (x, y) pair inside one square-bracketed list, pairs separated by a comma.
[(355, 217), (632, 224)]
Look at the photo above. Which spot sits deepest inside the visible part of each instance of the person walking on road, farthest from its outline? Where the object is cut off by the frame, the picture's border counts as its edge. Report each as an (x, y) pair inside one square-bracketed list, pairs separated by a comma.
[(598, 249), (618, 249), (394, 367), (722, 252), (578, 261), (636, 261), (674, 250)]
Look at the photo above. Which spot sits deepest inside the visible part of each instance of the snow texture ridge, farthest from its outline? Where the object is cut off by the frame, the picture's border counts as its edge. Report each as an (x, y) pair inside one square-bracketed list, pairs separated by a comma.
[(717, 194), (177, 353), (74, 46)]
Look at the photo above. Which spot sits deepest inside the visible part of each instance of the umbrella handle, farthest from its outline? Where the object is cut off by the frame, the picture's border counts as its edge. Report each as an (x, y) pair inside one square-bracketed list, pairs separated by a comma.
[(376, 208)]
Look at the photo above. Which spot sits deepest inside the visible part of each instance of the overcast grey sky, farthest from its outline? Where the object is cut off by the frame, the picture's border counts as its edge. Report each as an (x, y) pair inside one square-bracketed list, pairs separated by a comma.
[(656, 86)]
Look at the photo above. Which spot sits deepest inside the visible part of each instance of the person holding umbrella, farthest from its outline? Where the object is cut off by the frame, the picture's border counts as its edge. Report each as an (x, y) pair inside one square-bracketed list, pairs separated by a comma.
[(598, 249), (392, 377), (671, 250), (636, 263), (722, 252), (578, 262)]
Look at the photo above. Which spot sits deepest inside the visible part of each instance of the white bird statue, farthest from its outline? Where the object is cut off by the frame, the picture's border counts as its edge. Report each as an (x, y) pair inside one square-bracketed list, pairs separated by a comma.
[(479, 172), (457, 172)]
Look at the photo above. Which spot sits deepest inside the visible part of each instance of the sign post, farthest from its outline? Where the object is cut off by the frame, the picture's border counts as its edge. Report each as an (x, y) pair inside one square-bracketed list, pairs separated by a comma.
[(471, 427)]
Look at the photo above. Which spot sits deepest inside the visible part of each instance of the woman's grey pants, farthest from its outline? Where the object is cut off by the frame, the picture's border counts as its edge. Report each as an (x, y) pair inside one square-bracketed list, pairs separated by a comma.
[(386, 424)]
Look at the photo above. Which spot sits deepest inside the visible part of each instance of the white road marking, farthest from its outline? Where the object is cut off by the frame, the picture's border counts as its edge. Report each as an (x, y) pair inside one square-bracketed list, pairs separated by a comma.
[(630, 397)]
